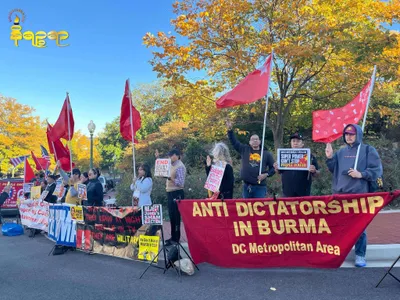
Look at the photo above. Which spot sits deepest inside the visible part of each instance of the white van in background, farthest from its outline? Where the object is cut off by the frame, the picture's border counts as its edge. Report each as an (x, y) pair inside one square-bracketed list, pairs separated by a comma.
[(102, 180)]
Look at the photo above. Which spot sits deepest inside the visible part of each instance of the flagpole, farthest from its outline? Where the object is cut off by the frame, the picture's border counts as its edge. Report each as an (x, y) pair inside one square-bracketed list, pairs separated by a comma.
[(365, 115), (265, 115), (69, 132)]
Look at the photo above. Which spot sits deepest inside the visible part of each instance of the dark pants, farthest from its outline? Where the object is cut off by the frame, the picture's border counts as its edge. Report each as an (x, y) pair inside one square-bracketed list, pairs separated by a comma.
[(174, 215)]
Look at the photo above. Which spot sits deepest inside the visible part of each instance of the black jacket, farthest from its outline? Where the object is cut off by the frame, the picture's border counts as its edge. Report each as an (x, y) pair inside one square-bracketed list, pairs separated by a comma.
[(94, 193), (3, 198), (50, 197), (297, 183), (251, 161)]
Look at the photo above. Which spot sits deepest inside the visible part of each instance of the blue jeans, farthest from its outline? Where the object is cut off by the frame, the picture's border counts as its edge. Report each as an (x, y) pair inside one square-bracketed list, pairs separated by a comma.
[(361, 245), (254, 191)]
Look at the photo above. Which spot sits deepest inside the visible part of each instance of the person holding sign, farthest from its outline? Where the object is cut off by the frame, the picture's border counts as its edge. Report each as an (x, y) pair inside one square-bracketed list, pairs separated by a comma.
[(174, 187), (222, 158), (254, 185), (51, 186), (297, 183), (5, 194), (72, 193), (142, 186), (351, 179)]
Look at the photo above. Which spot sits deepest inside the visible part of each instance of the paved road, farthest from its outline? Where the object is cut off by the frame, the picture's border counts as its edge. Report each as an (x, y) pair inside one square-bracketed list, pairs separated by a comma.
[(27, 272)]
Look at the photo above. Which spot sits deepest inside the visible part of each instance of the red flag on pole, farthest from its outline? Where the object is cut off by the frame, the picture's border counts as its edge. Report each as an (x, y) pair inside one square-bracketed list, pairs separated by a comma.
[(125, 121), (41, 163), (253, 87), (61, 130), (28, 172), (328, 124)]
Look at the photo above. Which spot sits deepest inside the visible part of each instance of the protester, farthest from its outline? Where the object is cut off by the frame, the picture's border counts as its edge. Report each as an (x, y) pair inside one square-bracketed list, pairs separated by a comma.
[(254, 185), (84, 178), (43, 186), (142, 186), (297, 183), (51, 186), (71, 196), (4, 194), (222, 158), (347, 180), (174, 188), (94, 189)]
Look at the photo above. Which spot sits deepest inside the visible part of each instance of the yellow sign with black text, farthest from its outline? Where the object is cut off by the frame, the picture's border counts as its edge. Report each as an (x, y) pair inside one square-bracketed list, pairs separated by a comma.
[(148, 247)]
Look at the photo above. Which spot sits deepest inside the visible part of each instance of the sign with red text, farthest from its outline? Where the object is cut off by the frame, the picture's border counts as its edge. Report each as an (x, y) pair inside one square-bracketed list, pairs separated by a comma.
[(294, 159), (163, 167), (17, 191), (313, 232), (214, 178), (34, 214), (152, 214)]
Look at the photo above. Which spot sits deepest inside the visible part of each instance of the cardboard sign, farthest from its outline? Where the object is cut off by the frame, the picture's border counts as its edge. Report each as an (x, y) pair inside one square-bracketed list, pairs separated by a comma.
[(152, 214), (148, 247), (82, 191), (163, 168), (27, 187), (35, 192), (215, 177), (77, 213), (294, 159), (57, 190)]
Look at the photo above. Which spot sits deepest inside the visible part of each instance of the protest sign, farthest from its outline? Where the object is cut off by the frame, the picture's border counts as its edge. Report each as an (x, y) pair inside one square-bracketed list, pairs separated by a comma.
[(215, 177), (152, 214), (294, 159), (82, 191), (163, 168), (148, 247)]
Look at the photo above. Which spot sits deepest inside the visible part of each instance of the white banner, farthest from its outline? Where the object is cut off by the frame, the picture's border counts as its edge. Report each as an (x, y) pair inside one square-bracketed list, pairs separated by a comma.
[(34, 214)]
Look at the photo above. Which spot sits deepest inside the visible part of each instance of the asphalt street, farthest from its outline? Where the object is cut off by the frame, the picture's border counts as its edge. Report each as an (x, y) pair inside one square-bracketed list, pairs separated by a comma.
[(27, 272)]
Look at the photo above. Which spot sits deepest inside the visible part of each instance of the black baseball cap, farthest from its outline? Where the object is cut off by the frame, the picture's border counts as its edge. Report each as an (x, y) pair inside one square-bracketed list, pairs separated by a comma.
[(296, 135), (54, 177), (174, 151)]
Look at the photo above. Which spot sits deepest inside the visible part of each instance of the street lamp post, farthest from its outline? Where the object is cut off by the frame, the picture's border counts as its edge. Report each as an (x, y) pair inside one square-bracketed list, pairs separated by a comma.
[(91, 128)]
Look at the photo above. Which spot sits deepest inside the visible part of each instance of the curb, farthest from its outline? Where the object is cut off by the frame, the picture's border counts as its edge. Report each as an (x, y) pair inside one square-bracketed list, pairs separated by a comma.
[(378, 256)]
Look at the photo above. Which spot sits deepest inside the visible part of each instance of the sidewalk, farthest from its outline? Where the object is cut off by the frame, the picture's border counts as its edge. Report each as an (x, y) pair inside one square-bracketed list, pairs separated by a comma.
[(384, 229)]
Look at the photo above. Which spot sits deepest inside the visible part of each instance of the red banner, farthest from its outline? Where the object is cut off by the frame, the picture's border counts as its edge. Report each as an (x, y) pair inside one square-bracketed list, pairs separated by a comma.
[(317, 231), (16, 190)]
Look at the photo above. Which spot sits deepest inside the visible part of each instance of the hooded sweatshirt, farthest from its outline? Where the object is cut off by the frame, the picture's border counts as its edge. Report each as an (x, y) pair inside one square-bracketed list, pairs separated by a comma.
[(344, 159)]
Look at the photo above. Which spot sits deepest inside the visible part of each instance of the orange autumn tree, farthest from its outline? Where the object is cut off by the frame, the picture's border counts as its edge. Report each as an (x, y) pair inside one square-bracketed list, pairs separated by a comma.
[(81, 151), (325, 52), (20, 132)]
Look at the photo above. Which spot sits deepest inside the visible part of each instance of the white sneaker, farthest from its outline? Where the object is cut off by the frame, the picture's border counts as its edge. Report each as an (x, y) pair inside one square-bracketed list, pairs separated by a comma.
[(360, 261)]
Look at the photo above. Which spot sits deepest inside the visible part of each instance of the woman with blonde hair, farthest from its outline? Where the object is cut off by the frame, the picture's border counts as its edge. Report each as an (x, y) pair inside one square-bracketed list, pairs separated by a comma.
[(222, 158)]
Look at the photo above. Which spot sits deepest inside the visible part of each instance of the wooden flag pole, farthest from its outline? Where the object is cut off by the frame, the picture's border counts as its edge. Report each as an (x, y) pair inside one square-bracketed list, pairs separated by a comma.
[(365, 115)]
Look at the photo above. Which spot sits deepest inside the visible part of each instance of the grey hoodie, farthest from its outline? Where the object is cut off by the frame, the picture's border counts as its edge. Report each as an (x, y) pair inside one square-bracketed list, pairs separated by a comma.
[(344, 159)]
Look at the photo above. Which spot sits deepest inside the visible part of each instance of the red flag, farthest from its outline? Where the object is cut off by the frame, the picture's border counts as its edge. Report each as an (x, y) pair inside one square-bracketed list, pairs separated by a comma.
[(61, 130), (253, 87), (28, 172), (41, 163), (328, 124), (125, 122), (48, 133)]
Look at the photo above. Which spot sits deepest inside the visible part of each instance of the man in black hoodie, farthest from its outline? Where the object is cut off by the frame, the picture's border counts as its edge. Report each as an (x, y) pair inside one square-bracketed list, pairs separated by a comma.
[(254, 185)]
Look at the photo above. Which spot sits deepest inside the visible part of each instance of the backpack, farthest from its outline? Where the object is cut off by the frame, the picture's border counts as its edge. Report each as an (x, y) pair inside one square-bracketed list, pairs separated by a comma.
[(376, 185)]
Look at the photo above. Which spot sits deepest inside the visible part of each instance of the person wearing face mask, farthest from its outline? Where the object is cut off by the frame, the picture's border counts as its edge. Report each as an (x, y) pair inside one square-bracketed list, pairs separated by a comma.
[(351, 179), (142, 186), (94, 189), (254, 185), (297, 183)]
